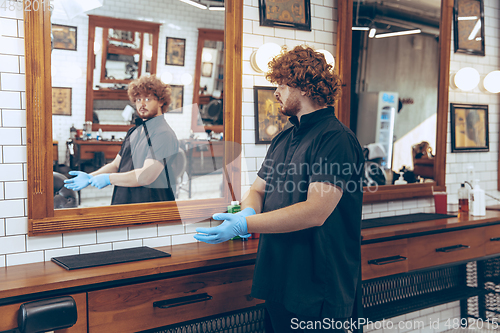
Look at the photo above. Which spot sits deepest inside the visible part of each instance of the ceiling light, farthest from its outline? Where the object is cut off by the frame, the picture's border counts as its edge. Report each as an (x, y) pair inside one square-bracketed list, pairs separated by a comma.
[(206, 56), (360, 28), (220, 8), (468, 18), (492, 82), (166, 77), (475, 30), (97, 47), (328, 57), (260, 59), (186, 79), (372, 32), (399, 33), (466, 79), (194, 3)]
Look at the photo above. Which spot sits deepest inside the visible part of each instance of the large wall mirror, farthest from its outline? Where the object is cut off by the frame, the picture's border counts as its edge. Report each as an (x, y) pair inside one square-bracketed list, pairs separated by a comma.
[(394, 61), (115, 47)]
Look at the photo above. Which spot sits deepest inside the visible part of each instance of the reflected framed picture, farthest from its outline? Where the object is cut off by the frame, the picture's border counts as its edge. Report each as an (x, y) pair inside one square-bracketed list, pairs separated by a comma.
[(295, 14), (268, 119), (148, 66), (64, 37), (469, 128), (468, 27), (206, 69), (176, 49), (177, 99), (61, 101)]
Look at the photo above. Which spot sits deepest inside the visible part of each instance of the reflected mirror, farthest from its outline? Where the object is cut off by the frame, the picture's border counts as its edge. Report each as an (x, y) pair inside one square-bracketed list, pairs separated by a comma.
[(116, 47), (394, 87)]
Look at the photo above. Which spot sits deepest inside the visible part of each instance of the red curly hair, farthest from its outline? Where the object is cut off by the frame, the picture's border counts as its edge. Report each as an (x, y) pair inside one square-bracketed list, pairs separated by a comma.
[(150, 85), (307, 70)]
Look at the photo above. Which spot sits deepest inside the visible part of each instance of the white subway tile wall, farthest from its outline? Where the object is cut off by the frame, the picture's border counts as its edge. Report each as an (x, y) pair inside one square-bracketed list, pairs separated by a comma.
[(17, 248)]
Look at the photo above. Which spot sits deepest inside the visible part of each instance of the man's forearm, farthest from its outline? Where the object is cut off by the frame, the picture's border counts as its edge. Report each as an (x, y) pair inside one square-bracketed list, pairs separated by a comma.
[(253, 200), (302, 215), (125, 179), (108, 168)]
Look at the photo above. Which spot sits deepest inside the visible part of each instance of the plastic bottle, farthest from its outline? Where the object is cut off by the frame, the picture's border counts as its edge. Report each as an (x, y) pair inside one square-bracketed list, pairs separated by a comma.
[(99, 134), (463, 201), (234, 207), (400, 180), (477, 199)]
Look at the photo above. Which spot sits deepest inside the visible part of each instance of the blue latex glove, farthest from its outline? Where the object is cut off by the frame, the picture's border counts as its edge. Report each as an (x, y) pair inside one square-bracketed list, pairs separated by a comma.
[(100, 181), (233, 225), (79, 182)]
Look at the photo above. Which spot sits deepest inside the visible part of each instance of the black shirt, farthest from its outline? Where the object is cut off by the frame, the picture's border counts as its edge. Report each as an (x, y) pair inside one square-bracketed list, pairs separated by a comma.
[(314, 271), (162, 146)]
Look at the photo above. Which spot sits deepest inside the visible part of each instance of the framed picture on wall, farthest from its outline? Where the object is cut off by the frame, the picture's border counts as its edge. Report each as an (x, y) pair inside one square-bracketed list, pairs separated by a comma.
[(268, 119), (175, 54), (64, 37), (177, 99), (469, 128), (206, 69), (61, 101), (294, 14), (468, 27)]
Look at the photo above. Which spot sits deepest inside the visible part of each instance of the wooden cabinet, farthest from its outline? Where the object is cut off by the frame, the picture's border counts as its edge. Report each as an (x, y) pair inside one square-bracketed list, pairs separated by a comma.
[(154, 304), (492, 239), (8, 315), (386, 258)]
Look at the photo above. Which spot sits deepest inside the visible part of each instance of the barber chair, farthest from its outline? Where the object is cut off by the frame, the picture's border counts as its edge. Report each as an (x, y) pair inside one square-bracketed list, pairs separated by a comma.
[(63, 197), (423, 160)]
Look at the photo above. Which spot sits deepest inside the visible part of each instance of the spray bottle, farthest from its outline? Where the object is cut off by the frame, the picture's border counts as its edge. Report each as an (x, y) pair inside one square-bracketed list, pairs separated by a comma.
[(477, 199)]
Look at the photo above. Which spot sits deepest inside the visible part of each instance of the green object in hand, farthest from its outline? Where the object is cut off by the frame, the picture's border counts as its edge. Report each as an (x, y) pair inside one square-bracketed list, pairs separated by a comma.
[(233, 208)]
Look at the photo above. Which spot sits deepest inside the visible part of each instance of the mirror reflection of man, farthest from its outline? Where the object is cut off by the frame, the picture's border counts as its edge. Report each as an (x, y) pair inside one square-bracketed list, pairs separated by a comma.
[(306, 203), (140, 171)]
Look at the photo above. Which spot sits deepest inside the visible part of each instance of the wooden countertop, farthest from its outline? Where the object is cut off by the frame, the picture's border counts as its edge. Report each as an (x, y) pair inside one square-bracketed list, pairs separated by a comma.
[(47, 276)]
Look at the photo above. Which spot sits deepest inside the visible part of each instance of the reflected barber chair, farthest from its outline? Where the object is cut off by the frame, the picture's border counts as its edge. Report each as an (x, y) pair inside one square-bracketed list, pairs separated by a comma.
[(63, 197), (423, 160)]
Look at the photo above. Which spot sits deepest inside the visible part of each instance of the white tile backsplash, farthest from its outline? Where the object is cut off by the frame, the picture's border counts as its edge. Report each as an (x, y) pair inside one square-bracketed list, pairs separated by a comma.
[(79, 238), (12, 244), (44, 242), (24, 258), (16, 226)]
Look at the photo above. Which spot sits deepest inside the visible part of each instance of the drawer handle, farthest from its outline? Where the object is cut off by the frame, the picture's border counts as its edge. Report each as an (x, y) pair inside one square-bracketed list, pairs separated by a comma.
[(170, 303), (495, 239), (387, 260), (453, 248)]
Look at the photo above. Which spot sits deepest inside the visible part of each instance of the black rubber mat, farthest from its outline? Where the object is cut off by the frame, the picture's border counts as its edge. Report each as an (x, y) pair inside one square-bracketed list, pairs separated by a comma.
[(108, 257), (400, 219)]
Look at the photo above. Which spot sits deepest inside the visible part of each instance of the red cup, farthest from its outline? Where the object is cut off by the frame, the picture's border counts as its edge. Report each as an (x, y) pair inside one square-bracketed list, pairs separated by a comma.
[(441, 202)]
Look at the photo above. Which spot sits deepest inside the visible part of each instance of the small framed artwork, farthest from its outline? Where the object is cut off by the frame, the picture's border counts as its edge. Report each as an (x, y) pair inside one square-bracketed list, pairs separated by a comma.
[(268, 119), (177, 99), (206, 69), (64, 37), (295, 14), (61, 101), (469, 128), (148, 66), (468, 27), (175, 54)]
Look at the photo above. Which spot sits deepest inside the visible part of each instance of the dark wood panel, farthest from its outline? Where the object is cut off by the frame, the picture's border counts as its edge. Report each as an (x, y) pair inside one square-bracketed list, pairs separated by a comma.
[(130, 308), (492, 235), (423, 251), (383, 250), (8, 315)]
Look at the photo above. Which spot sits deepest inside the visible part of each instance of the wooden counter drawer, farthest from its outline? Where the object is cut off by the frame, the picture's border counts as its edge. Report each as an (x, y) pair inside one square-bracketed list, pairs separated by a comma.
[(130, 308), (385, 258), (8, 316), (492, 237), (444, 248)]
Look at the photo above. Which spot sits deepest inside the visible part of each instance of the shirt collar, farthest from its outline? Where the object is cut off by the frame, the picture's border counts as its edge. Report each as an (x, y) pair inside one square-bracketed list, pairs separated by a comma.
[(312, 118)]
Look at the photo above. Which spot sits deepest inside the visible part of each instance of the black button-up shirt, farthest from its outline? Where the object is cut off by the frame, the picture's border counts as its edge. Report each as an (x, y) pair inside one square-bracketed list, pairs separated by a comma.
[(312, 272)]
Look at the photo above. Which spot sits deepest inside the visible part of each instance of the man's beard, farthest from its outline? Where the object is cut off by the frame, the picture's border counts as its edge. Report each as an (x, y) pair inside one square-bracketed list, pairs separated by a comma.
[(291, 107)]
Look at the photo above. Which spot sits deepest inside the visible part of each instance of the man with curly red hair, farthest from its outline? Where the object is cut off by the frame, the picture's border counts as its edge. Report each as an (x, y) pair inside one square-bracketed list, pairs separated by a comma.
[(140, 171), (308, 198)]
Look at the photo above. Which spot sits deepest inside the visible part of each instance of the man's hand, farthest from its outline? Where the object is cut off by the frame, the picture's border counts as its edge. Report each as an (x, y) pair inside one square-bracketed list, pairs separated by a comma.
[(233, 225), (79, 182), (100, 181)]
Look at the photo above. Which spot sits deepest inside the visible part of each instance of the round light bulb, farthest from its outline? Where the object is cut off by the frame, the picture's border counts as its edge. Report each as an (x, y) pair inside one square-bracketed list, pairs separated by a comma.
[(260, 59), (186, 79), (149, 54), (206, 56), (166, 77), (467, 78), (492, 82), (97, 47), (328, 56)]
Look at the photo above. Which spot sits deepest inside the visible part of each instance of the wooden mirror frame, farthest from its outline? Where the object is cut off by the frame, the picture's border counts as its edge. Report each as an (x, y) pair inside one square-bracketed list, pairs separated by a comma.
[(203, 35), (343, 55), (104, 22), (42, 218)]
